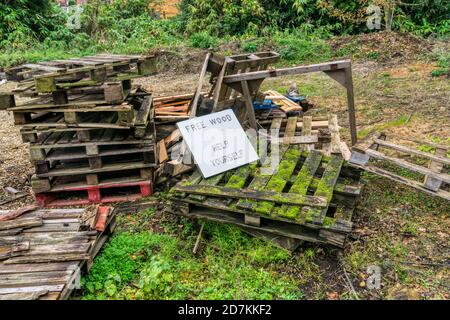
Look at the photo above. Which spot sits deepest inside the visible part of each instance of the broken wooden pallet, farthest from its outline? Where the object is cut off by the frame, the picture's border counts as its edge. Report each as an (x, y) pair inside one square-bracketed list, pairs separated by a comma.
[(307, 188), (49, 76), (59, 245), (379, 156)]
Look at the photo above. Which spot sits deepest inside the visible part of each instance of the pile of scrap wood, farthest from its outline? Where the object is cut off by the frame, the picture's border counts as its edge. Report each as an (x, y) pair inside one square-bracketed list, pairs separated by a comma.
[(172, 108), (91, 132), (174, 159), (43, 251), (310, 195)]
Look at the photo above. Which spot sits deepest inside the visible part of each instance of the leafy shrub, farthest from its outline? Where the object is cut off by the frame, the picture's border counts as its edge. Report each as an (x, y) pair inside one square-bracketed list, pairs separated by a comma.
[(300, 46), (250, 47), (203, 40)]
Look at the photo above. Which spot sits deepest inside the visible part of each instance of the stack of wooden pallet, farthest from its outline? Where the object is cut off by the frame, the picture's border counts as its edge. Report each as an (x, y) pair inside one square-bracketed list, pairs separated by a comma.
[(91, 133), (309, 195), (43, 251)]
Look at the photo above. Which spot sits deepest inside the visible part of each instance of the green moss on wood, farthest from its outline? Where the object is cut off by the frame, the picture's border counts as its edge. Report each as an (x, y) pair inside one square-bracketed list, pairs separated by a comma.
[(278, 181)]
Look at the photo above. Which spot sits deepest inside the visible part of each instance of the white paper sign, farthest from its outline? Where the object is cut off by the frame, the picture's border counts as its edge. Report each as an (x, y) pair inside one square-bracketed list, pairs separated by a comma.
[(217, 142)]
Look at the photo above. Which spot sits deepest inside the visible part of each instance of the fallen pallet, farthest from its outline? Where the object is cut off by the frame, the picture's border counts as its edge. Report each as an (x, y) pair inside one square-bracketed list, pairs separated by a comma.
[(308, 189), (59, 249), (381, 157)]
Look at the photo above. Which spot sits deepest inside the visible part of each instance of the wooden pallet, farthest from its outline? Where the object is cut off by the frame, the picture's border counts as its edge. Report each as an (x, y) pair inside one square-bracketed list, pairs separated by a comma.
[(136, 112), (89, 96), (39, 134), (92, 144), (45, 250), (378, 155), (76, 194), (308, 189), (106, 155), (50, 76), (43, 181), (76, 182)]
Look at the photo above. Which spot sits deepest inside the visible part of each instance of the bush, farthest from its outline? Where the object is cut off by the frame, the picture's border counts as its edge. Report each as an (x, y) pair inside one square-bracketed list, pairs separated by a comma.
[(300, 46), (203, 40)]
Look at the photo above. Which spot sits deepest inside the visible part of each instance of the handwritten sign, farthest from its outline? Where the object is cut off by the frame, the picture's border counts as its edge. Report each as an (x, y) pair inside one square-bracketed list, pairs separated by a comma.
[(217, 142)]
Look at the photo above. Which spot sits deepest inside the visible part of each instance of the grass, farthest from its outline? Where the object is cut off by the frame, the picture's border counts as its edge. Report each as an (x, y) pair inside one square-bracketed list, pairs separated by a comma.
[(398, 232), (147, 265)]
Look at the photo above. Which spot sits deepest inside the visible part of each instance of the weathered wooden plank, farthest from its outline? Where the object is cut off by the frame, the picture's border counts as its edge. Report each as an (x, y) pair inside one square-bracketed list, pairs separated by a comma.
[(301, 183), (411, 183), (307, 131), (34, 295), (335, 145), (430, 182), (325, 190), (50, 288), (34, 281), (48, 258), (212, 181), (20, 223), (435, 157), (278, 181), (11, 249), (37, 267), (271, 196), (410, 166), (58, 248), (144, 112)]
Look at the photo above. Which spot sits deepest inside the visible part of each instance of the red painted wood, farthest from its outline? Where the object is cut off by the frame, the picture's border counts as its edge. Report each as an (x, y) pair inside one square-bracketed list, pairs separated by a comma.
[(94, 195)]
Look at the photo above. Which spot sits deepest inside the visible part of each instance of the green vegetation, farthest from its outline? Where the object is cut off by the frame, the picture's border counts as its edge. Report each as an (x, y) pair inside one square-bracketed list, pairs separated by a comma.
[(146, 265), (298, 29)]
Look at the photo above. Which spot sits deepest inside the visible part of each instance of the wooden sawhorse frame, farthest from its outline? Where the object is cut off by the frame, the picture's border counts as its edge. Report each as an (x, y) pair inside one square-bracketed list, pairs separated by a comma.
[(248, 84)]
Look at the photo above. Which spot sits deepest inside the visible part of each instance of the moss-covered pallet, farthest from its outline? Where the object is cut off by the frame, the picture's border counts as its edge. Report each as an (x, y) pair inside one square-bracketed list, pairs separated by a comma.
[(308, 192)]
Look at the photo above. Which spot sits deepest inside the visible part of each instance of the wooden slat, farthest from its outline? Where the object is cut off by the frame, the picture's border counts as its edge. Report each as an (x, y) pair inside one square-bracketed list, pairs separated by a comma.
[(277, 197), (34, 295), (301, 183), (325, 189), (20, 223), (37, 267), (48, 258), (435, 157), (278, 181), (410, 166)]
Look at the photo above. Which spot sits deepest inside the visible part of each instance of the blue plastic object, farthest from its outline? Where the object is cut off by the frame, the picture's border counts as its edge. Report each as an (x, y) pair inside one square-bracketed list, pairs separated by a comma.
[(266, 105)]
